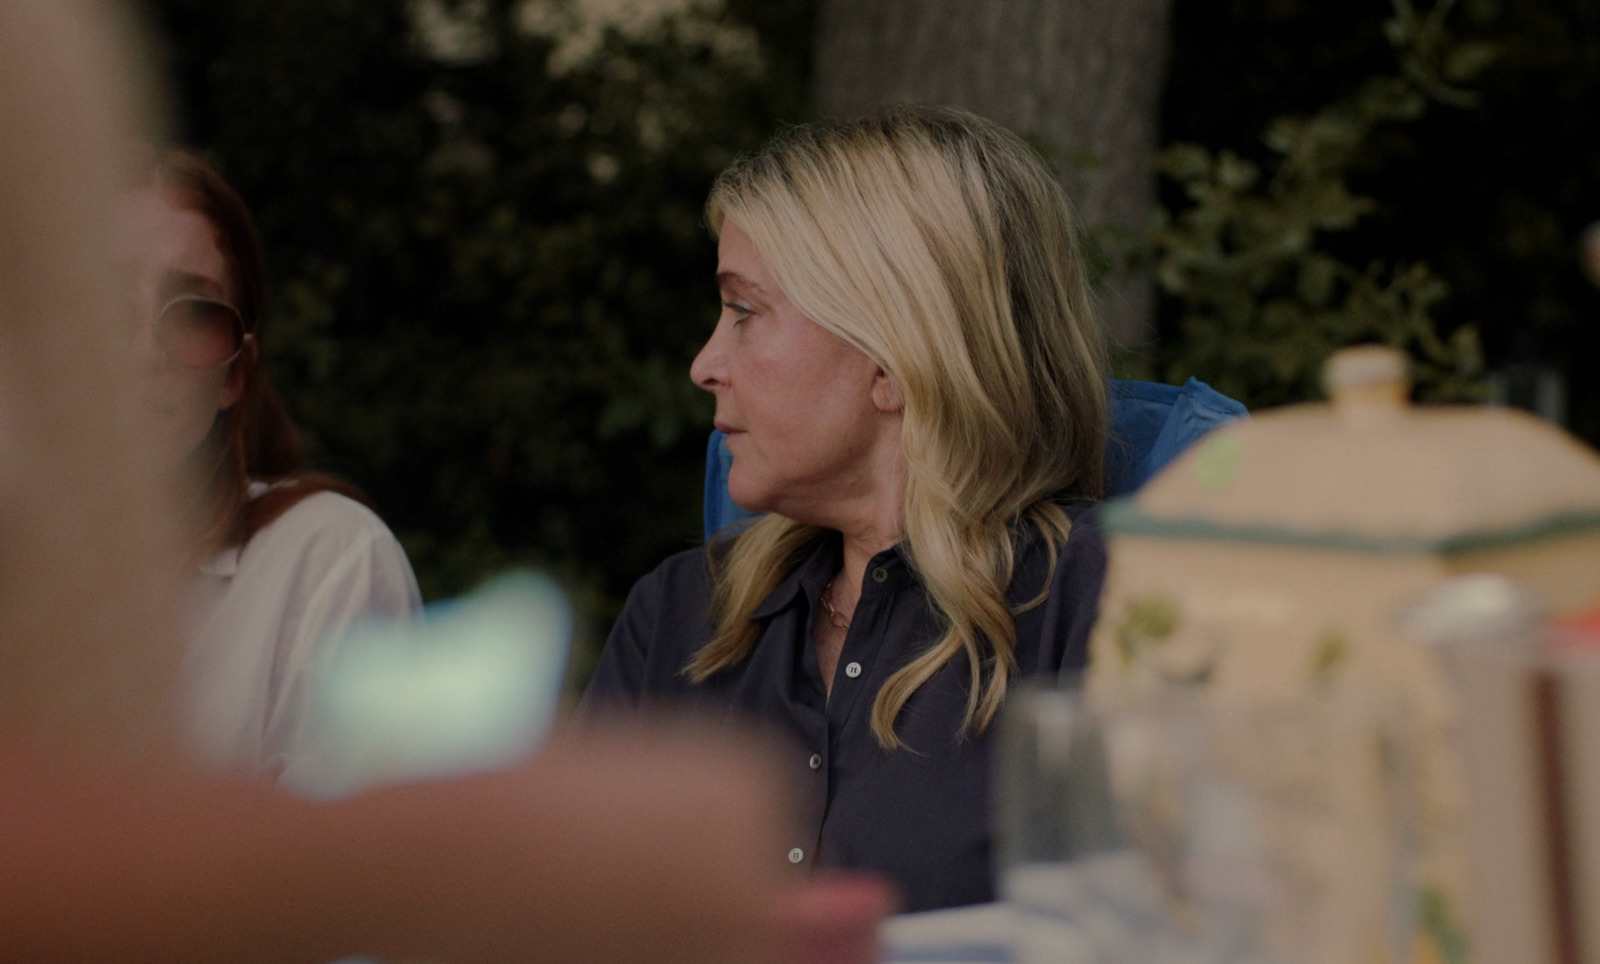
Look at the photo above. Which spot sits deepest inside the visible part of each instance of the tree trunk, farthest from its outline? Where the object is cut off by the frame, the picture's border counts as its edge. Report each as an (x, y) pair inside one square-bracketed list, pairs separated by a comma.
[(1081, 79)]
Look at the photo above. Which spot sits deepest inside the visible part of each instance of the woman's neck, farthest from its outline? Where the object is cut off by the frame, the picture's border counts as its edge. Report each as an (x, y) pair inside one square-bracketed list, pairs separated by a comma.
[(856, 552), (876, 521)]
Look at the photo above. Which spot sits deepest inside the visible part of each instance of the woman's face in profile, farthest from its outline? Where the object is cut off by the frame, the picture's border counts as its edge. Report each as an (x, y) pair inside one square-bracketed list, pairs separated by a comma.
[(796, 401), (182, 306)]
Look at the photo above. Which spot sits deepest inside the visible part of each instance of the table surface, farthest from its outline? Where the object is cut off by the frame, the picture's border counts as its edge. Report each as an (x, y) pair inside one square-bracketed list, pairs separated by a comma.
[(980, 934)]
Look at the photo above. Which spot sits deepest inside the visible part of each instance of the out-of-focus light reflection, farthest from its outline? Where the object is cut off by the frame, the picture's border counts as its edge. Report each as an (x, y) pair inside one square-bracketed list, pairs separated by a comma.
[(1473, 608), (473, 686)]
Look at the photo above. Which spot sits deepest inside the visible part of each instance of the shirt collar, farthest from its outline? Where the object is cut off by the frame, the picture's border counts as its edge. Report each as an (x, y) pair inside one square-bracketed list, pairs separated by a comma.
[(222, 564), (804, 584), (225, 562)]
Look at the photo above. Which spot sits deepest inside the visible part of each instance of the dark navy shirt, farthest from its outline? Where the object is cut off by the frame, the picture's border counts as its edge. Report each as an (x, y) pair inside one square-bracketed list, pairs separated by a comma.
[(919, 814)]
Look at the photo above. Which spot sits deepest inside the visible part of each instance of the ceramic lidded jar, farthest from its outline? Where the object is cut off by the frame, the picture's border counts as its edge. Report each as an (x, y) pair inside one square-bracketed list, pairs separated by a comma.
[(1267, 566)]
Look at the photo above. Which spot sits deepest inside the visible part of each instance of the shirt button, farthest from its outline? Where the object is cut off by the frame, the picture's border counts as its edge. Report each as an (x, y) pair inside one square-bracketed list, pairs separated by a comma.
[(880, 574), (815, 761), (852, 670), (796, 855)]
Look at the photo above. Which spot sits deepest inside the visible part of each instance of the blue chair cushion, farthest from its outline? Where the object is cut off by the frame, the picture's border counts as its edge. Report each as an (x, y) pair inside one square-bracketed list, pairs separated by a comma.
[(1150, 424)]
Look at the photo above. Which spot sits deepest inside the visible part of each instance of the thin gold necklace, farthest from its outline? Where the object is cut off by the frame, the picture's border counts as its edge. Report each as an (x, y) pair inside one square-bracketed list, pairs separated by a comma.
[(835, 617)]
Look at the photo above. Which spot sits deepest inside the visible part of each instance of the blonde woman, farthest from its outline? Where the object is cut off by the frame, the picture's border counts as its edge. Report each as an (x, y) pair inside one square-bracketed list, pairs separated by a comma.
[(914, 391)]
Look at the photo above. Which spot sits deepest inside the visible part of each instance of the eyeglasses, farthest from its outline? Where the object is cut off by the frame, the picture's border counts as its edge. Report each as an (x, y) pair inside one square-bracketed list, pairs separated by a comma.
[(200, 332)]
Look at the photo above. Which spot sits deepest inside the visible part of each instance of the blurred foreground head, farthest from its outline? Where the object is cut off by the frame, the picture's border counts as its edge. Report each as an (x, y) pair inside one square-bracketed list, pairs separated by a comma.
[(87, 641)]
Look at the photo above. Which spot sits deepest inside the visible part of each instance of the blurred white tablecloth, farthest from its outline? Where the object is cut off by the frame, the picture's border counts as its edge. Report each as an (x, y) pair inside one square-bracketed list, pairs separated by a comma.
[(980, 934)]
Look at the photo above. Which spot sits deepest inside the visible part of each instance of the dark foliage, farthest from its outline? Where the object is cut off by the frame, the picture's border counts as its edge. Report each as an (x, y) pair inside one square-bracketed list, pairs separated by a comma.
[(490, 268), (1490, 192)]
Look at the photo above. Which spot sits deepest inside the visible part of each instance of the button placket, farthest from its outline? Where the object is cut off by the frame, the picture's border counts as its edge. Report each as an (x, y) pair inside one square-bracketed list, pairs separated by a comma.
[(863, 640)]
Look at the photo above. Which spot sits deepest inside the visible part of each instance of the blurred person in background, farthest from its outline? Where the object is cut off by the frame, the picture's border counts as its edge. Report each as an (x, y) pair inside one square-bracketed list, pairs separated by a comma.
[(286, 559), (913, 390), (624, 847)]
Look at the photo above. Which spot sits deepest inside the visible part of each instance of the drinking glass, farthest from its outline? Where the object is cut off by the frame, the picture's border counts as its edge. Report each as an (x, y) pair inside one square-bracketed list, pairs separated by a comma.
[(1187, 831)]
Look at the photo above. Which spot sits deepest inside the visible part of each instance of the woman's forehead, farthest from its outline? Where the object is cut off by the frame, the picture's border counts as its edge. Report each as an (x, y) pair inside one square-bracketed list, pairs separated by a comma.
[(159, 238), (738, 257)]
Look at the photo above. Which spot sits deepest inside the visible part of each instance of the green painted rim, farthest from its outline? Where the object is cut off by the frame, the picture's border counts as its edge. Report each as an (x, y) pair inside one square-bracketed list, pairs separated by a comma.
[(1123, 517)]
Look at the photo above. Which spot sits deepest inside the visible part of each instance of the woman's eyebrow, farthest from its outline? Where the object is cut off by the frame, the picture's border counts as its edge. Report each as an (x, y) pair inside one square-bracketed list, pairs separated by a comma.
[(732, 279), (189, 283)]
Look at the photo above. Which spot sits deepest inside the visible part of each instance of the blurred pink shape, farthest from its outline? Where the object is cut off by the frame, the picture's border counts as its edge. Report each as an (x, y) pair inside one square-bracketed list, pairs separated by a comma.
[(834, 919)]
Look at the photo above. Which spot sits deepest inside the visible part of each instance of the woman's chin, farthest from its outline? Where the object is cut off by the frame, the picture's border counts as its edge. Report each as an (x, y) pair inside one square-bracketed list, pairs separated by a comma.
[(751, 503), (179, 447), (747, 493), (760, 504)]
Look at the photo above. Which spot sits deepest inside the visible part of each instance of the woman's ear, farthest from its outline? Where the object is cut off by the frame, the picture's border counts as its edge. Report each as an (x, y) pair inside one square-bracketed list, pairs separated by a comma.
[(886, 394)]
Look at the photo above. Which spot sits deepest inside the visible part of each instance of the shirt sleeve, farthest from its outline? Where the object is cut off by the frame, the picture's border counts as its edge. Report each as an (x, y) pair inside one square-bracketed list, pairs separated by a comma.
[(1079, 577), (663, 624), (1053, 638), (619, 678)]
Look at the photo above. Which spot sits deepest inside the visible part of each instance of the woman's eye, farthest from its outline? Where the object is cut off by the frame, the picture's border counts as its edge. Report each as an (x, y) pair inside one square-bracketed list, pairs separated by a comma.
[(741, 312)]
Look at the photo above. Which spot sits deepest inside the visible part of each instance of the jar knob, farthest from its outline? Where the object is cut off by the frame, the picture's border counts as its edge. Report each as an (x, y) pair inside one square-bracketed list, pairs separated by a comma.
[(1367, 382)]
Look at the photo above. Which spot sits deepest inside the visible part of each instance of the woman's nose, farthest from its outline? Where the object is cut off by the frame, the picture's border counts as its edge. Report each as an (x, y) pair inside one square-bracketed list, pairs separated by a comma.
[(709, 369), (144, 344)]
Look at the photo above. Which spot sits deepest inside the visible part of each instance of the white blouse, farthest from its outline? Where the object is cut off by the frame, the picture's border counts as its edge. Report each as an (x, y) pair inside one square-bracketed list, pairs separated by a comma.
[(262, 616)]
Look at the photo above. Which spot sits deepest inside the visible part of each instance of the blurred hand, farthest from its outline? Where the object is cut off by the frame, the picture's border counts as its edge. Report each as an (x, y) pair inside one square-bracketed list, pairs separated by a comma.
[(834, 919), (660, 845), (618, 846)]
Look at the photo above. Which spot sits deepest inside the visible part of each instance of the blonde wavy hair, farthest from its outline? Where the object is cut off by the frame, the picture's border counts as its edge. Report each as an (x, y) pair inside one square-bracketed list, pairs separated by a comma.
[(937, 244)]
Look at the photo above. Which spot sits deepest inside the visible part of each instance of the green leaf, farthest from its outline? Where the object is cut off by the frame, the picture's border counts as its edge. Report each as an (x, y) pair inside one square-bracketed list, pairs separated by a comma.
[(1467, 61)]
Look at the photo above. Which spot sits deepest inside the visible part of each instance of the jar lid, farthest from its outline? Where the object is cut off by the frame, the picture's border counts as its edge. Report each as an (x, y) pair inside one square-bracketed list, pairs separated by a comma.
[(1368, 471)]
